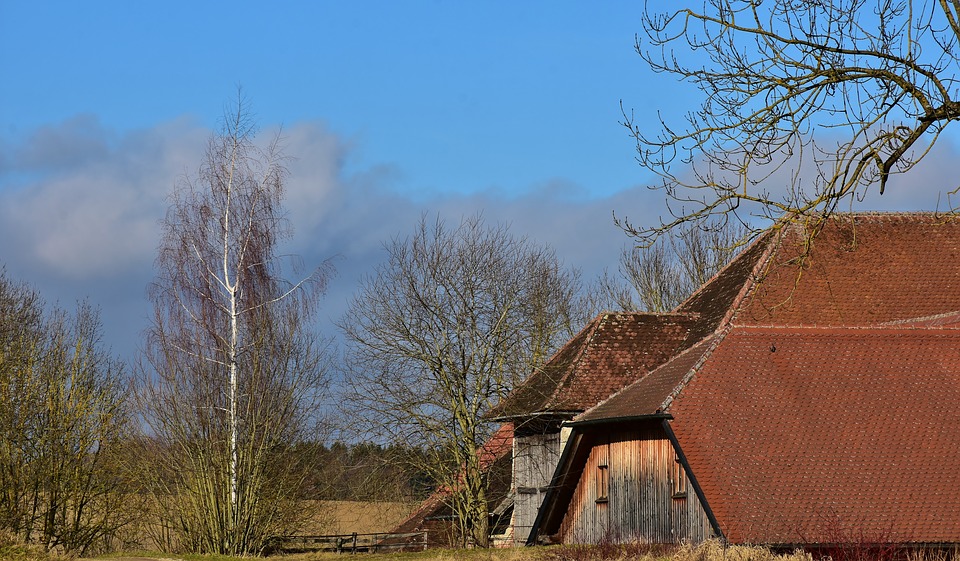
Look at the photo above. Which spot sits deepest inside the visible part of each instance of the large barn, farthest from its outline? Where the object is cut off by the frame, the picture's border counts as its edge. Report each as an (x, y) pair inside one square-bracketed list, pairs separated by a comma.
[(805, 395)]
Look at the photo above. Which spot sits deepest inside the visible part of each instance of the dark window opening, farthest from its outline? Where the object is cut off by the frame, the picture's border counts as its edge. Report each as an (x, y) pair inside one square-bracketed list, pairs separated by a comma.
[(679, 480), (603, 472), (603, 484)]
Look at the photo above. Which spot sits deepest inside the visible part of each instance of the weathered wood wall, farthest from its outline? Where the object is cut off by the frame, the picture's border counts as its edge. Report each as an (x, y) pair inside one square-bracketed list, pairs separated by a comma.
[(633, 489), (534, 461)]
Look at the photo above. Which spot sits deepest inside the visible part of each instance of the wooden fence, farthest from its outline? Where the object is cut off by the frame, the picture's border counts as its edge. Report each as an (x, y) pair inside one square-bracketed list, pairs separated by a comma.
[(352, 543)]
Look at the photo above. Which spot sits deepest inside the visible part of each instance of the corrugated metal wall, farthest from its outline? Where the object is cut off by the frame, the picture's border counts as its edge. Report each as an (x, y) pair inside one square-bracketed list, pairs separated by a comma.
[(534, 461), (647, 496)]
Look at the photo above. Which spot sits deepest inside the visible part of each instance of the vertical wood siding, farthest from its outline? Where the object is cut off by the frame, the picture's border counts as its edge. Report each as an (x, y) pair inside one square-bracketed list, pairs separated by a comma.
[(645, 500), (535, 458)]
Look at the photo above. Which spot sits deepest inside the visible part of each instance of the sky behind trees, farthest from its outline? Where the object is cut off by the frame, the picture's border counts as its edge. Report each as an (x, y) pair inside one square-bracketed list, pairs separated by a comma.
[(389, 110)]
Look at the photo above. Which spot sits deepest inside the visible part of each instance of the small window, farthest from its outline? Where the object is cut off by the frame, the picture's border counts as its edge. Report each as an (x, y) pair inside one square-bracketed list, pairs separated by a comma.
[(603, 472), (679, 480), (603, 484)]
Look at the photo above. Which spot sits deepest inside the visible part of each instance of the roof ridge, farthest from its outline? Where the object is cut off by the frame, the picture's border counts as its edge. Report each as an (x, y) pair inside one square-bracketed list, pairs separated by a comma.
[(753, 280), (881, 214), (922, 319), (717, 336), (877, 327)]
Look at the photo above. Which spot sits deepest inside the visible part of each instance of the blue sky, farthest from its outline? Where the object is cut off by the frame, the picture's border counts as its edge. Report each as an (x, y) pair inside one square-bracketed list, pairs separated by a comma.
[(390, 109), (465, 96)]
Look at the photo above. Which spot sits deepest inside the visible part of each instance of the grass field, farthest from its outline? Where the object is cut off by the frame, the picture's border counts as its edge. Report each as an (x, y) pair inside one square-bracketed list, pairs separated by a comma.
[(710, 551), (347, 517)]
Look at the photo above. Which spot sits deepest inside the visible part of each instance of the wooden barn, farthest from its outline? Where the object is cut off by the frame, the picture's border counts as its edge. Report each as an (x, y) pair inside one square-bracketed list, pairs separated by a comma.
[(804, 395), (614, 350), (812, 398)]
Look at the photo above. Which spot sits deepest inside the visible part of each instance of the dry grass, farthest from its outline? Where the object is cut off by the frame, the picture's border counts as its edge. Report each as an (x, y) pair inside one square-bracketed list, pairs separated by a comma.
[(514, 554), (11, 549), (347, 517), (708, 551), (716, 551), (323, 518), (509, 554)]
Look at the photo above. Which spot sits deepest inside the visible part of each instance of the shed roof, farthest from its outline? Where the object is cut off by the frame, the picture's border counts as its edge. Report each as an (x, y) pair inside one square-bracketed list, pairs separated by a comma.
[(433, 514), (612, 351)]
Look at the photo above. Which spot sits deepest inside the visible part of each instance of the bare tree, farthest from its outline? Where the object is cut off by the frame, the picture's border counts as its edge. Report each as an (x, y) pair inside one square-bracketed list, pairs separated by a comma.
[(233, 374), (660, 276), (443, 330), (855, 90), (62, 418)]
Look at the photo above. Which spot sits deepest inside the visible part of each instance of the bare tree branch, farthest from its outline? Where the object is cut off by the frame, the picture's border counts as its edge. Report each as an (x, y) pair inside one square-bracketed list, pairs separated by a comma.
[(779, 79), (659, 277), (440, 333)]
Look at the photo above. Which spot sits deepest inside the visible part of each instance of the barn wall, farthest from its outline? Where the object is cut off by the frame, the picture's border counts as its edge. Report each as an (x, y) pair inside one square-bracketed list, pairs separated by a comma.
[(633, 489), (534, 461)]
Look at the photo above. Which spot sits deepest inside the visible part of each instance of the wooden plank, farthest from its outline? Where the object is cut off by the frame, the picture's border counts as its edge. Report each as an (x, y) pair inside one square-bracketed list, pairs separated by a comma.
[(643, 476), (353, 543)]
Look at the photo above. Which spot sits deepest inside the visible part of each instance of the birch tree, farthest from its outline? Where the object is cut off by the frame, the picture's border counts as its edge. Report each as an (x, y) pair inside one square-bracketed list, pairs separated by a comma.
[(806, 106), (233, 373), (440, 332)]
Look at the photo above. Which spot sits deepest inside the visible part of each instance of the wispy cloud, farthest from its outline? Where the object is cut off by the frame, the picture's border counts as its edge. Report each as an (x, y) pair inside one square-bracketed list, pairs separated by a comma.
[(82, 202), (80, 206)]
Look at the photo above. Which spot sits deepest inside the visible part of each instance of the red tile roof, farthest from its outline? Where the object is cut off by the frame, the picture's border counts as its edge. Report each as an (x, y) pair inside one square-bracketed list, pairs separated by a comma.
[(614, 350), (821, 403), (817, 435), (650, 395), (863, 269)]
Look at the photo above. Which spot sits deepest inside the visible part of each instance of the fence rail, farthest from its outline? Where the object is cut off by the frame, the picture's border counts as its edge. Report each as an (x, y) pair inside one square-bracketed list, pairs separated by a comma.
[(353, 543)]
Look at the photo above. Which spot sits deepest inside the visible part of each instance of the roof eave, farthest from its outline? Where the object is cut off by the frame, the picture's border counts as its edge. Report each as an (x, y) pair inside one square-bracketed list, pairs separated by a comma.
[(613, 420), (543, 414)]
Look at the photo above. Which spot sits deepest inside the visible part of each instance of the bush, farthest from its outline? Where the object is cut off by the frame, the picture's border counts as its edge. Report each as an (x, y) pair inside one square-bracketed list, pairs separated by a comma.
[(11, 549)]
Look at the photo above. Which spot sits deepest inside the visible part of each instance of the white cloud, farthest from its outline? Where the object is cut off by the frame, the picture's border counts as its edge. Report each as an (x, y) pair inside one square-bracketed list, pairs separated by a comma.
[(91, 213), (80, 205)]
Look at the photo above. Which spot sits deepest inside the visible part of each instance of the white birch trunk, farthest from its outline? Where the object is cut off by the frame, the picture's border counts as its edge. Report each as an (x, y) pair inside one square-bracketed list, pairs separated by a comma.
[(231, 289)]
